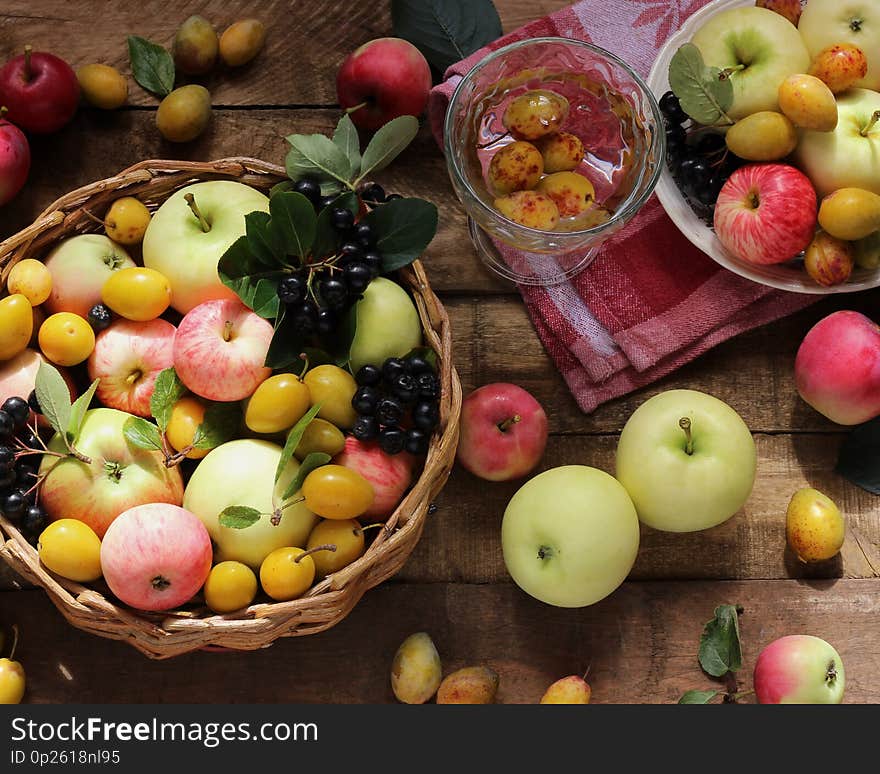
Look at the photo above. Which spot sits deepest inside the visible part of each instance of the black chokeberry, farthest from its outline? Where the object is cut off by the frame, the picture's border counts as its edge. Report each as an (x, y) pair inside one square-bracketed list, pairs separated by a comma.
[(325, 321), (416, 441), (671, 108), (30, 439), (368, 376), (7, 425), (373, 260), (363, 233), (292, 290), (334, 292), (392, 440), (417, 365), (25, 478), (341, 218), (304, 320), (7, 479), (100, 317), (373, 193), (18, 409), (389, 411), (33, 521), (405, 389), (7, 457), (365, 428), (391, 369), (13, 505), (429, 388), (325, 201), (392, 197), (426, 415), (34, 403), (350, 252), (308, 187), (357, 277), (365, 400)]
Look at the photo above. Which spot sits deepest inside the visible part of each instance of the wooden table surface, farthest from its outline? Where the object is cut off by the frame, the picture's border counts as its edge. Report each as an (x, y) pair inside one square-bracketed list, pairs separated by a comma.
[(641, 642)]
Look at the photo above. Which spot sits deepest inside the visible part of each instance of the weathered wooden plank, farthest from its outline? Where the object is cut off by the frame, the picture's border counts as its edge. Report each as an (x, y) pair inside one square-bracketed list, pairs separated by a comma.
[(640, 645)]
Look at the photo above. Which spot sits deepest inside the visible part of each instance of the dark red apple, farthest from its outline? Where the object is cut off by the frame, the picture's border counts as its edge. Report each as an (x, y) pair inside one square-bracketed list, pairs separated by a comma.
[(40, 91), (15, 159), (387, 78)]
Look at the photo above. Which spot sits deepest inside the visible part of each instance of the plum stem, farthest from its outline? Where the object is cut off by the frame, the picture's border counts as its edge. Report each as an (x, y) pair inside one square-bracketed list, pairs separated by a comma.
[(685, 424), (305, 358), (325, 547), (203, 223), (14, 641), (92, 217), (509, 422), (875, 117), (28, 74)]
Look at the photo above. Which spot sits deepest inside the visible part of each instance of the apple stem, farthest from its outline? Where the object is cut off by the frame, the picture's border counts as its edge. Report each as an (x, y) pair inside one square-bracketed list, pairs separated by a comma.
[(728, 71), (875, 117), (325, 547), (159, 583), (27, 63), (191, 201), (508, 423), (227, 330), (685, 424), (3, 111), (351, 110), (133, 377), (14, 641)]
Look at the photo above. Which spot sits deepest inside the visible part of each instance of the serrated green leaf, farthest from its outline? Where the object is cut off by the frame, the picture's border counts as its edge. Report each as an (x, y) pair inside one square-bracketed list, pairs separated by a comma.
[(312, 460), (330, 187), (318, 156), (167, 390), (221, 424), (405, 228), (239, 517), (859, 458), (703, 94), (284, 185), (142, 434), (79, 408), (346, 137), (387, 143), (261, 239), (698, 697), (53, 395), (253, 282), (151, 66), (327, 237), (293, 438), (720, 650), (293, 222)]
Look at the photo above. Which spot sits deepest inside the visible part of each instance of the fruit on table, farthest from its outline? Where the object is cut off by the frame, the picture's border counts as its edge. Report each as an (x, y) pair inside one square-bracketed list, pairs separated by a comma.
[(102, 86), (15, 159), (383, 79), (277, 404), (572, 193), (242, 41), (469, 685), (561, 152), (529, 208), (763, 49), (71, 549), (848, 157), (687, 460), (333, 388), (766, 213), (12, 679), (320, 436), (156, 556), (516, 167), (570, 536), (808, 103), (535, 114), (503, 432), (186, 416), (389, 475), (850, 213), (39, 90), (230, 586), (346, 535), (840, 66), (814, 526), (137, 293), (336, 492), (799, 669), (837, 368), (127, 358), (828, 22), (788, 9), (762, 136), (32, 279), (126, 221), (287, 573), (185, 113), (415, 670), (16, 325), (388, 324), (195, 46), (573, 689), (80, 265), (867, 251), (220, 348), (242, 472), (828, 260), (66, 338), (177, 244)]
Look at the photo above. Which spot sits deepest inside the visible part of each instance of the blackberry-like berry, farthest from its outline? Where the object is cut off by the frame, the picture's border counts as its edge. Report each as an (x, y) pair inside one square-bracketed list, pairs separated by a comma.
[(7, 457), (325, 322), (365, 428), (363, 233), (350, 252), (406, 389), (325, 201), (13, 505), (334, 292), (34, 403), (100, 317), (373, 261), (389, 411), (416, 365), (416, 441), (33, 521), (18, 409), (292, 290), (391, 369), (392, 440), (305, 320), (310, 188), (7, 425), (373, 194), (341, 218), (357, 277), (671, 109), (426, 415), (365, 400), (428, 387), (368, 376)]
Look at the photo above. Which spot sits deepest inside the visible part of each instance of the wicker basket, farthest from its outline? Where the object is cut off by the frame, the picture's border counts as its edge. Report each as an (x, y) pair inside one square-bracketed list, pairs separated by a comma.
[(173, 633)]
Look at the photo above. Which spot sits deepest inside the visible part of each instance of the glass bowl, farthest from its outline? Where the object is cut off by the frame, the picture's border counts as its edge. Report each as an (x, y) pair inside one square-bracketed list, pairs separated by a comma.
[(613, 112)]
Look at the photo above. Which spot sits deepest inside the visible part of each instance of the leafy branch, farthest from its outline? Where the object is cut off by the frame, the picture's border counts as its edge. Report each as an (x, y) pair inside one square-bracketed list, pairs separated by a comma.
[(66, 419)]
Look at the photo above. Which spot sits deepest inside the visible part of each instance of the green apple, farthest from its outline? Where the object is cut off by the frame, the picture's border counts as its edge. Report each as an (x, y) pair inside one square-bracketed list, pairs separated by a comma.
[(761, 47), (186, 250), (687, 460), (848, 157), (388, 324), (242, 472), (570, 536), (826, 22)]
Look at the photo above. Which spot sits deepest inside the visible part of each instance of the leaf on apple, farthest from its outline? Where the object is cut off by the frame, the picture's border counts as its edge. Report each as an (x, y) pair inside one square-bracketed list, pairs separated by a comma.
[(388, 143), (141, 434), (445, 31), (262, 240), (167, 390), (78, 411), (720, 650), (239, 517), (405, 228), (318, 156), (312, 460), (704, 95), (698, 697), (293, 222), (221, 424), (151, 66), (53, 396), (859, 459), (293, 438), (346, 137)]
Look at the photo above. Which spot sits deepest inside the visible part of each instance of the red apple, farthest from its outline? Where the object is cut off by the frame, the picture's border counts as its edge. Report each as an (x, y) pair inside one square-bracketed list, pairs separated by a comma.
[(220, 349), (19, 374), (388, 77), (390, 475), (503, 432), (156, 556), (15, 159), (799, 669), (40, 91), (127, 358), (766, 213), (837, 368)]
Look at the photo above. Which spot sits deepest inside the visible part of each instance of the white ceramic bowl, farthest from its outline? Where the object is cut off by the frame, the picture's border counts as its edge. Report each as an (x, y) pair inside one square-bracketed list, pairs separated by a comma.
[(785, 276)]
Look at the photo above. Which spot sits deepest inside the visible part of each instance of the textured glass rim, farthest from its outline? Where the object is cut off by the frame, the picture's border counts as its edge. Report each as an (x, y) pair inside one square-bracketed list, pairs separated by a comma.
[(630, 205)]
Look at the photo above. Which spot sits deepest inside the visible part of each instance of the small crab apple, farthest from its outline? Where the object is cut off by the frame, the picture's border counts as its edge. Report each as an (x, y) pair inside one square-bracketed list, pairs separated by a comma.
[(573, 689), (799, 669), (529, 208), (572, 193), (562, 152), (535, 114), (814, 526), (516, 167), (840, 66)]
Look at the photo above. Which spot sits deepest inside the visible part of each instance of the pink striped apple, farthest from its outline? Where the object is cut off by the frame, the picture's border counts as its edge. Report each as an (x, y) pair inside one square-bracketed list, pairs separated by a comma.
[(799, 669), (389, 475)]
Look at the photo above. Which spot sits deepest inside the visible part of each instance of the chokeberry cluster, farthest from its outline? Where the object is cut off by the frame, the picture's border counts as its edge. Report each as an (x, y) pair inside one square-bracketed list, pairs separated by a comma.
[(397, 404), (18, 470)]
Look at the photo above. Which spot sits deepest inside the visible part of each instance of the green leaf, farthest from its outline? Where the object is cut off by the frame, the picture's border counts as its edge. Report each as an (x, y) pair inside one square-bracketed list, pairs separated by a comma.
[(261, 239), (166, 392), (346, 137), (286, 344), (221, 424), (405, 228), (142, 434), (703, 94), (445, 31), (78, 410), (53, 395), (239, 517), (151, 65), (327, 237), (317, 155), (330, 187), (293, 222), (387, 143), (254, 283), (859, 459), (293, 438), (339, 344), (698, 697), (284, 185), (720, 650), (313, 460)]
